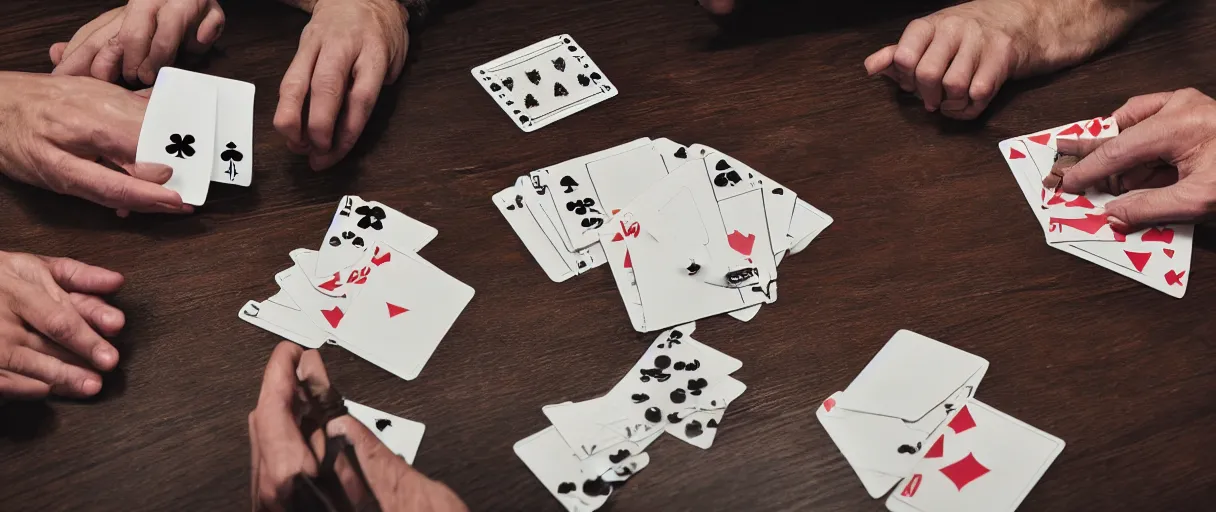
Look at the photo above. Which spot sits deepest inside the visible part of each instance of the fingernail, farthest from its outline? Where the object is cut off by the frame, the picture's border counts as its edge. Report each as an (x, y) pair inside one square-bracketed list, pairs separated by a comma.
[(90, 386), (1117, 224), (105, 357)]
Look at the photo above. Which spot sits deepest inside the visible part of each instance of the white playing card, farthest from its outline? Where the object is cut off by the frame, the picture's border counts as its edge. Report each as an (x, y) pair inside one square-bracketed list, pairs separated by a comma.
[(358, 224), (539, 204), (911, 375), (400, 435), (699, 428), (291, 324), (673, 153), (564, 475), (547, 253), (402, 313), (233, 162), (982, 460), (618, 179), (613, 241), (179, 131), (545, 82), (573, 196), (323, 311), (806, 223)]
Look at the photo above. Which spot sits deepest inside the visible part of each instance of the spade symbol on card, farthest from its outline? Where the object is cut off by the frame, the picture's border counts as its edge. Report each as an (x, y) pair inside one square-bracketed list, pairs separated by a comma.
[(383, 423), (682, 152), (584, 80), (509, 83), (693, 429), (180, 146), (559, 64), (232, 156), (530, 102), (569, 183), (533, 76), (559, 90)]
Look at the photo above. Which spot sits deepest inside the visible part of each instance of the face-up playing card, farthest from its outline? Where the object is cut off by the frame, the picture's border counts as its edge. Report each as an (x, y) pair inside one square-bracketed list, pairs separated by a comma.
[(910, 376), (401, 314), (673, 153), (613, 240), (544, 82), (547, 253), (699, 428), (982, 459), (806, 223), (323, 311), (539, 204), (179, 131), (618, 179), (569, 479), (574, 199), (357, 224), (290, 324), (400, 435)]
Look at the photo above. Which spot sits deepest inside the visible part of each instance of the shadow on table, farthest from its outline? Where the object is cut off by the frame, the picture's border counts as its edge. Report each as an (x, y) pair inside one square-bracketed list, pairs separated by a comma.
[(25, 421), (757, 20)]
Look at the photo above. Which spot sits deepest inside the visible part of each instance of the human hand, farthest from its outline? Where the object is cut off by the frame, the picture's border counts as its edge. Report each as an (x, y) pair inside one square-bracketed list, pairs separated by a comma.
[(136, 40), (1164, 158), (346, 53), (956, 59), (51, 326), (57, 127), (280, 451)]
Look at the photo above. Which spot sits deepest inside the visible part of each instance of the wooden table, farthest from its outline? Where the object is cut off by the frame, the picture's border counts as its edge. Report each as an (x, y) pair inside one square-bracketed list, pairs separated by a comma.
[(931, 234)]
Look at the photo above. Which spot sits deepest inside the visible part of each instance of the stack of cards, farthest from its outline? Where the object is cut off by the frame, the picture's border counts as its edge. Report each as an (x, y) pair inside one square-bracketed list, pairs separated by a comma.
[(366, 290), (688, 231), (202, 127), (1159, 257), (400, 435), (911, 416), (545, 82), (679, 386)]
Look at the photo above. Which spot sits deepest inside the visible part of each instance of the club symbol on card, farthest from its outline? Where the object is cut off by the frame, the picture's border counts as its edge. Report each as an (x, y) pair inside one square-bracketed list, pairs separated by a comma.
[(591, 223), (383, 423), (581, 206), (693, 429), (569, 183), (180, 146), (908, 449), (726, 176), (355, 240), (232, 156), (372, 217), (533, 76)]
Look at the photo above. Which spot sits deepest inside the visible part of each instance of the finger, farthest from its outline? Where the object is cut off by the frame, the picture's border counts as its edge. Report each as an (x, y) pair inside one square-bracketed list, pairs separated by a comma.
[(282, 446), (150, 172), (326, 94), (1139, 108), (1078, 147), (209, 30), (992, 72), (1149, 177), (138, 28), (117, 190), (108, 61), (288, 117), (63, 378), (255, 459), (106, 319), (279, 378), (880, 60), (1143, 143), (911, 47), (171, 24), (956, 83), (369, 72), (933, 65), (60, 322), (57, 52), (311, 371), (74, 276), (78, 61), (383, 469), (20, 387), (1137, 209), (1058, 170)]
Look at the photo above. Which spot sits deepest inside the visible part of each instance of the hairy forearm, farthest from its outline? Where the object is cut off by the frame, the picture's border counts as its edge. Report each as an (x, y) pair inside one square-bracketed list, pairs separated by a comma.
[(1072, 30)]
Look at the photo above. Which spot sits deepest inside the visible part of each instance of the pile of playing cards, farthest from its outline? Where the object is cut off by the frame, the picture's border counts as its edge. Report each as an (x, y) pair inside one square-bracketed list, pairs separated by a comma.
[(911, 415), (542, 83), (202, 127), (679, 386), (689, 232), (400, 435), (1159, 257), (366, 290)]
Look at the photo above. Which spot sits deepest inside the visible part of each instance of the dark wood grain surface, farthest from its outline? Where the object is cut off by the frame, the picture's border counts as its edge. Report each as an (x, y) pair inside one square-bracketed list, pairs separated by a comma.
[(931, 234)]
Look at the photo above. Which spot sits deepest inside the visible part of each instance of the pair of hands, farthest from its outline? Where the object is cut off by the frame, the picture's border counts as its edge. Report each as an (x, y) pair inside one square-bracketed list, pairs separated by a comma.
[(52, 319), (280, 451), (347, 51)]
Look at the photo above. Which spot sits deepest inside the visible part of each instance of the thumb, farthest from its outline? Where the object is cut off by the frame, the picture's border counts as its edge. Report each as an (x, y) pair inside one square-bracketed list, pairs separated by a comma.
[(384, 470), (1149, 207), (57, 50)]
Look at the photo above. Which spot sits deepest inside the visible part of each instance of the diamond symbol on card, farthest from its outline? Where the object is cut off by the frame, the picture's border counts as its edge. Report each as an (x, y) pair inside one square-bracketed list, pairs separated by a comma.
[(333, 316), (1071, 130), (964, 471), (962, 421), (394, 310), (1041, 139), (1015, 154), (938, 449), (1138, 259)]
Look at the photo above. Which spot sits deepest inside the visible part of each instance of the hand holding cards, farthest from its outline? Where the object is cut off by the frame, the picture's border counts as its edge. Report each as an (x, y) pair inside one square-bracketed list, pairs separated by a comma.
[(202, 127), (381, 300), (911, 415), (689, 232)]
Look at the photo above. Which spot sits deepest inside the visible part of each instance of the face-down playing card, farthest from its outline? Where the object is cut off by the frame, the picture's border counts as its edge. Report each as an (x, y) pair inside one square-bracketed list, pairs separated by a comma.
[(544, 82)]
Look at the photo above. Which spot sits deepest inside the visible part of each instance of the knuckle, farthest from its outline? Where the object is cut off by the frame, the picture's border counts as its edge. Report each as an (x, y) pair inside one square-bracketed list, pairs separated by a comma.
[(982, 90), (9, 359), (327, 85), (60, 326), (929, 74)]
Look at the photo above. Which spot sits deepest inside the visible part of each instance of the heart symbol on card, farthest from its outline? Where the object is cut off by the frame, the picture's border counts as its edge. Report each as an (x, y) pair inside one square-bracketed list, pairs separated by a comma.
[(1015, 154), (1040, 139), (1138, 259), (741, 244), (1174, 278), (394, 310), (1168, 252), (1095, 127), (1072, 130), (829, 404), (333, 316), (1158, 235)]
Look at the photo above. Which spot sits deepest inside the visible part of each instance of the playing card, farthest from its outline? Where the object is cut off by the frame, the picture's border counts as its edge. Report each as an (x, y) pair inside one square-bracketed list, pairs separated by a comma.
[(982, 460), (699, 428), (545, 82), (673, 153), (613, 242), (290, 324), (539, 204), (911, 375), (573, 197), (357, 224), (806, 223), (233, 161), (323, 311), (619, 178), (400, 435), (179, 131), (401, 314), (547, 253), (567, 478)]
